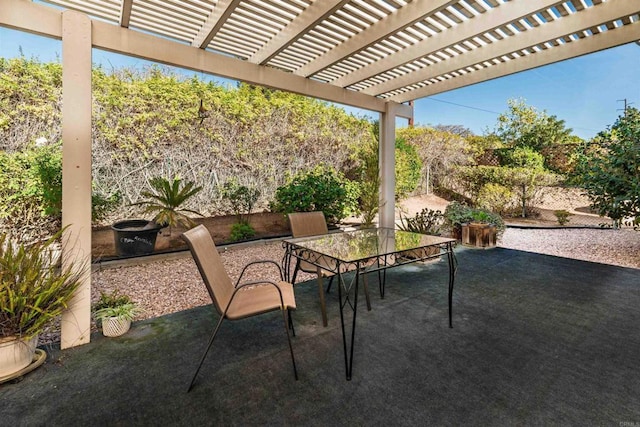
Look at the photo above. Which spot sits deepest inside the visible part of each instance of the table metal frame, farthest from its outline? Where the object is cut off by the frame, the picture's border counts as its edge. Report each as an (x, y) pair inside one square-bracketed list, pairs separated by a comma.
[(380, 253)]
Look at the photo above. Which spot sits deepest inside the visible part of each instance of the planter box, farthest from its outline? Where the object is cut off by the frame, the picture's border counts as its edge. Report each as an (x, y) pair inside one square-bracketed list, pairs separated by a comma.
[(479, 235), (135, 237)]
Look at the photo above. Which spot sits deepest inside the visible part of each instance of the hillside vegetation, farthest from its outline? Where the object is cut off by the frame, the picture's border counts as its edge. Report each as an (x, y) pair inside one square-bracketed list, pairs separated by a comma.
[(158, 123)]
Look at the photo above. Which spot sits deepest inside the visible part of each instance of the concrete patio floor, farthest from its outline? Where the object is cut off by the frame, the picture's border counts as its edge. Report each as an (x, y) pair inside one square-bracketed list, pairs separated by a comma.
[(536, 340)]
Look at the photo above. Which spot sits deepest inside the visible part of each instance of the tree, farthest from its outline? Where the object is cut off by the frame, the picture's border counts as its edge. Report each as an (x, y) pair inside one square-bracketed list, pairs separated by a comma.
[(524, 126), (608, 168), (438, 150)]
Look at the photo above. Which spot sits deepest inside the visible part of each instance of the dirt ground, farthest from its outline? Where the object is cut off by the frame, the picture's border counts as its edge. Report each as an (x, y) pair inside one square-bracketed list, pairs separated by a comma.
[(553, 198)]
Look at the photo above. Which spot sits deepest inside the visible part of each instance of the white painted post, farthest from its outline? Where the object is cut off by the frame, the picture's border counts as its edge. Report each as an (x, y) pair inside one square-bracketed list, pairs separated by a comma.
[(386, 207), (76, 170)]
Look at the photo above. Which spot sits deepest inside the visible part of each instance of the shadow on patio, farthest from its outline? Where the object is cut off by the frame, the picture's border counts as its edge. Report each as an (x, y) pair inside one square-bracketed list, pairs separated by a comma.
[(536, 340)]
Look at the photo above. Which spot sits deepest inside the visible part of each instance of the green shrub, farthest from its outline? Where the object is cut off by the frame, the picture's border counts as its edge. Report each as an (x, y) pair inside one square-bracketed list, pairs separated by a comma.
[(522, 157), (101, 205), (31, 189), (241, 231), (408, 167), (495, 198), (319, 189), (240, 199), (368, 175), (562, 215), (427, 221)]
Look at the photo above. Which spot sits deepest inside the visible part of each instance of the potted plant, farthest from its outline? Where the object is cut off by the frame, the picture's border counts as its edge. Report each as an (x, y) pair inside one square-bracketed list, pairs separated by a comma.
[(473, 226), (115, 313), (165, 201), (34, 289)]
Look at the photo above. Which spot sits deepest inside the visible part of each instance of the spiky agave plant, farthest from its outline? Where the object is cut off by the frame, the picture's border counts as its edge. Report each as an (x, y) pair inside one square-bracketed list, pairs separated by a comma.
[(166, 199)]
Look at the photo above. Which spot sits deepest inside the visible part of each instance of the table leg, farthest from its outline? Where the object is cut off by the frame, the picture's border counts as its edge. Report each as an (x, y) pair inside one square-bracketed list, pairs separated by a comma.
[(452, 277), (323, 306), (348, 344)]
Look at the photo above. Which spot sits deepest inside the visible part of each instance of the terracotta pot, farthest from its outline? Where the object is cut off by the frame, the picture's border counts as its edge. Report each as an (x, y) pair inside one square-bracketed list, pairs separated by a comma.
[(16, 354), (115, 326)]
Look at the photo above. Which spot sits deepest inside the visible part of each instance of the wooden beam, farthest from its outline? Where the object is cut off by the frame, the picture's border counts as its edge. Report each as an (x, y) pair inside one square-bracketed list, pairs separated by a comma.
[(588, 18), (32, 18), (125, 13), (316, 12), (587, 45), (215, 21), (120, 40)]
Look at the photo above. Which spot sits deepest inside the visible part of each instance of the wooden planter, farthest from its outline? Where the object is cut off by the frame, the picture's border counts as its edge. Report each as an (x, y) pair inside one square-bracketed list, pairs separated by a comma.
[(479, 235)]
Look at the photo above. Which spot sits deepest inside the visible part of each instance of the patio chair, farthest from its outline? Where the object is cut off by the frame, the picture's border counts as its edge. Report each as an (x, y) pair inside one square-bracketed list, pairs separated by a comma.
[(304, 224), (242, 300)]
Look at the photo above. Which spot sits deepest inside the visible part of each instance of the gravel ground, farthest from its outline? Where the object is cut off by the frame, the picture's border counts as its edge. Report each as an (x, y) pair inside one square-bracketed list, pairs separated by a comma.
[(171, 285)]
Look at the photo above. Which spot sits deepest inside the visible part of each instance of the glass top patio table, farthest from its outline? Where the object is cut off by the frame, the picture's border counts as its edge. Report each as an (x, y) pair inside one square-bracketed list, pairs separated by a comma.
[(366, 244), (366, 250)]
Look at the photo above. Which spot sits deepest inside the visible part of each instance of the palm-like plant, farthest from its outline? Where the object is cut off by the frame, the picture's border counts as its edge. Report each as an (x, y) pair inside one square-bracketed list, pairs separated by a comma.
[(166, 199)]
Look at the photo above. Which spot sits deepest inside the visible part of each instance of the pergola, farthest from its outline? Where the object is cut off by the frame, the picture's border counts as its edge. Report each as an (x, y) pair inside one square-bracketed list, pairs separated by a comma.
[(372, 54)]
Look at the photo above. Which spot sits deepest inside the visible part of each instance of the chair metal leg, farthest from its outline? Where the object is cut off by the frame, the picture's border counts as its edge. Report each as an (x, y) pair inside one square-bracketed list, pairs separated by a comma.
[(293, 331), (330, 282), (366, 291), (204, 356), (293, 359)]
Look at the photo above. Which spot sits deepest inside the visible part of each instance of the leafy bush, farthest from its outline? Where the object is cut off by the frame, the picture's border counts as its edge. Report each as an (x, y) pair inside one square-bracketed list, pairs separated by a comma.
[(607, 168), (101, 205), (31, 184), (369, 180), (240, 199), (562, 215), (521, 157), (524, 182), (495, 198), (31, 190), (241, 231), (427, 221), (457, 214), (319, 189), (408, 168)]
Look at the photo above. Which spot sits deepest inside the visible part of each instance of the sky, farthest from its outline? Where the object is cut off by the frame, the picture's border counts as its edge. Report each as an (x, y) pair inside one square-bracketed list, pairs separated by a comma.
[(588, 92)]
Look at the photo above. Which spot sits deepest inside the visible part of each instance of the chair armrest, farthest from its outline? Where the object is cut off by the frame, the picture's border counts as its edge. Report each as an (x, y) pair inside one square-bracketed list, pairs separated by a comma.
[(265, 261)]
